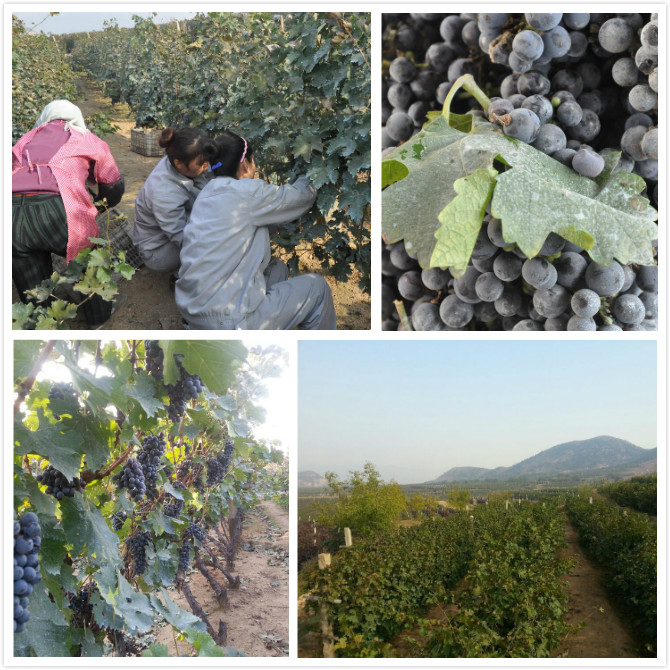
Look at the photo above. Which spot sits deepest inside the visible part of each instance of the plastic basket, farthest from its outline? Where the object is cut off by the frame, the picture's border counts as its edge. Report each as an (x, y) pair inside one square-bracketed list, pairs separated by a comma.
[(144, 141)]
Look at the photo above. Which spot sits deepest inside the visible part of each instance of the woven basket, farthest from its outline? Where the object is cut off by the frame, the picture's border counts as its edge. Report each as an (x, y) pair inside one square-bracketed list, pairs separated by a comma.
[(144, 141), (115, 227)]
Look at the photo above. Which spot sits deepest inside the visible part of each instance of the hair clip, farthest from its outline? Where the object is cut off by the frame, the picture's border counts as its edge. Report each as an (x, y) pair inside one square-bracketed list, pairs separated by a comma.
[(217, 165)]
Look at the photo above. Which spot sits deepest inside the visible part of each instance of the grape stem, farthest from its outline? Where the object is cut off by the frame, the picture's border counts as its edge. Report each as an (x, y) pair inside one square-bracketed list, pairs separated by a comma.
[(404, 319), (466, 81)]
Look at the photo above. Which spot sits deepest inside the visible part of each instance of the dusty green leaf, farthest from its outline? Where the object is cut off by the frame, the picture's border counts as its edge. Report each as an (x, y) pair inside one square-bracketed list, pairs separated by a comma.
[(534, 196), (461, 220)]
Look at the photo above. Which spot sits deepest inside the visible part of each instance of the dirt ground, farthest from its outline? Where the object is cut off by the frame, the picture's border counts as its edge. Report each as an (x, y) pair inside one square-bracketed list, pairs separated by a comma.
[(149, 301), (257, 613), (603, 633)]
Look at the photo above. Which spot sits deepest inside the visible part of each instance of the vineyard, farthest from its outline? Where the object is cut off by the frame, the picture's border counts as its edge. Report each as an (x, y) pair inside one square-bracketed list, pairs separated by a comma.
[(488, 582), (134, 482), (256, 74)]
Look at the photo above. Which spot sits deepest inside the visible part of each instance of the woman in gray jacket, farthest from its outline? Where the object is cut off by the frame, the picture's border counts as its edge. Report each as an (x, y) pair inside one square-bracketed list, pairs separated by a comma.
[(226, 280), (164, 202)]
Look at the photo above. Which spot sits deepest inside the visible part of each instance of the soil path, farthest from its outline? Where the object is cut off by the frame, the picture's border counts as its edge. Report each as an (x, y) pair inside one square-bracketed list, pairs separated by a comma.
[(257, 613), (604, 634), (149, 302)]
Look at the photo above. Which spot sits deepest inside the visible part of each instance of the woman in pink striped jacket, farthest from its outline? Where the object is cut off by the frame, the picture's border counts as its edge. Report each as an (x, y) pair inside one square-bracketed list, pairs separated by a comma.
[(52, 210)]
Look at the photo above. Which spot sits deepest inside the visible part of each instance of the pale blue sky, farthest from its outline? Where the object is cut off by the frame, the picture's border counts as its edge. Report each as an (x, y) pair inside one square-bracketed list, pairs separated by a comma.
[(74, 22), (417, 409)]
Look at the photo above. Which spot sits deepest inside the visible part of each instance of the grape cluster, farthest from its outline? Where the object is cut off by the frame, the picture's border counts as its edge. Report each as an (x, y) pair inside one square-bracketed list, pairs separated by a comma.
[(184, 555), (58, 485), (226, 457), (187, 468), (80, 604), (153, 358), (27, 542), (137, 543), (118, 519), (186, 388), (215, 471), (174, 507), (561, 289), (195, 532), (575, 86), (132, 478), (153, 447), (60, 391)]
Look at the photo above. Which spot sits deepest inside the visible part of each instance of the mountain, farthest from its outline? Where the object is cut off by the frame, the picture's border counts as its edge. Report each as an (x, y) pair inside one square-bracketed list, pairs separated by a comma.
[(309, 479), (599, 455)]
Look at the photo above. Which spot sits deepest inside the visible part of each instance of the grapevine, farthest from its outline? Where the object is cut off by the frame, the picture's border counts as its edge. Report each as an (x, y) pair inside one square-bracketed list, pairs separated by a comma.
[(108, 536), (313, 67)]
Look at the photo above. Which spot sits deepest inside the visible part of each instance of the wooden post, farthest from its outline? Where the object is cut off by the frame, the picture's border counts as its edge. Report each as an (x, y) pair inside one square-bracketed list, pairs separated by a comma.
[(506, 504), (326, 626), (590, 500), (347, 537)]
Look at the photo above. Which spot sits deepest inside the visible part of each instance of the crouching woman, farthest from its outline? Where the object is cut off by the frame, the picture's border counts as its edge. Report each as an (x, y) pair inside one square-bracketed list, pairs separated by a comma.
[(227, 280)]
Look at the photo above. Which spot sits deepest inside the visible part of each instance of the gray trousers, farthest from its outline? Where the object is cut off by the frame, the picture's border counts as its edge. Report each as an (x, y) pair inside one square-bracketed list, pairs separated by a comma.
[(304, 302), (163, 259)]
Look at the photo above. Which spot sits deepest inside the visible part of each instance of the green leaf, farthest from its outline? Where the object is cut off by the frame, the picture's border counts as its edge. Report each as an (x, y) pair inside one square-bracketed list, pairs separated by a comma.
[(89, 647), (180, 619), (47, 632), (25, 355), (125, 270), (411, 206), (156, 651), (534, 196), (52, 550), (63, 450), (177, 493), (144, 391), (62, 310), (131, 608), (307, 143), (393, 171), (85, 526), (21, 315), (461, 220), (203, 643), (216, 362)]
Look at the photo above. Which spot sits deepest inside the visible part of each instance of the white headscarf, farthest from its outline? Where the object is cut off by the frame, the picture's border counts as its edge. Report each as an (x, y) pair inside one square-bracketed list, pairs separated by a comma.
[(65, 111)]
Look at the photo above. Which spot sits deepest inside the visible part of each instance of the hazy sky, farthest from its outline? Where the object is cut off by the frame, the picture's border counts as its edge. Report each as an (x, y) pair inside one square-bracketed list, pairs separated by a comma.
[(74, 22), (417, 409)]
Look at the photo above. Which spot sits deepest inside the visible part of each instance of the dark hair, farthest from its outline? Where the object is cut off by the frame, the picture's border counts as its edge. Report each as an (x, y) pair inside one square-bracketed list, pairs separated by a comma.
[(230, 150), (187, 144)]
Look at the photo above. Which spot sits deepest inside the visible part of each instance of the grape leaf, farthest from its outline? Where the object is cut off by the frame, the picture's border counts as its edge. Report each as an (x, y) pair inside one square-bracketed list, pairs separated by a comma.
[(85, 526), (52, 550), (63, 451), (216, 362), (144, 391), (46, 633), (534, 196), (25, 355), (176, 617), (462, 220), (156, 651)]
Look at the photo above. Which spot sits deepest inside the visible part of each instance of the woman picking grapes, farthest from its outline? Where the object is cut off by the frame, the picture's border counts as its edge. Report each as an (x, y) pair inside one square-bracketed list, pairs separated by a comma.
[(163, 205), (228, 279)]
